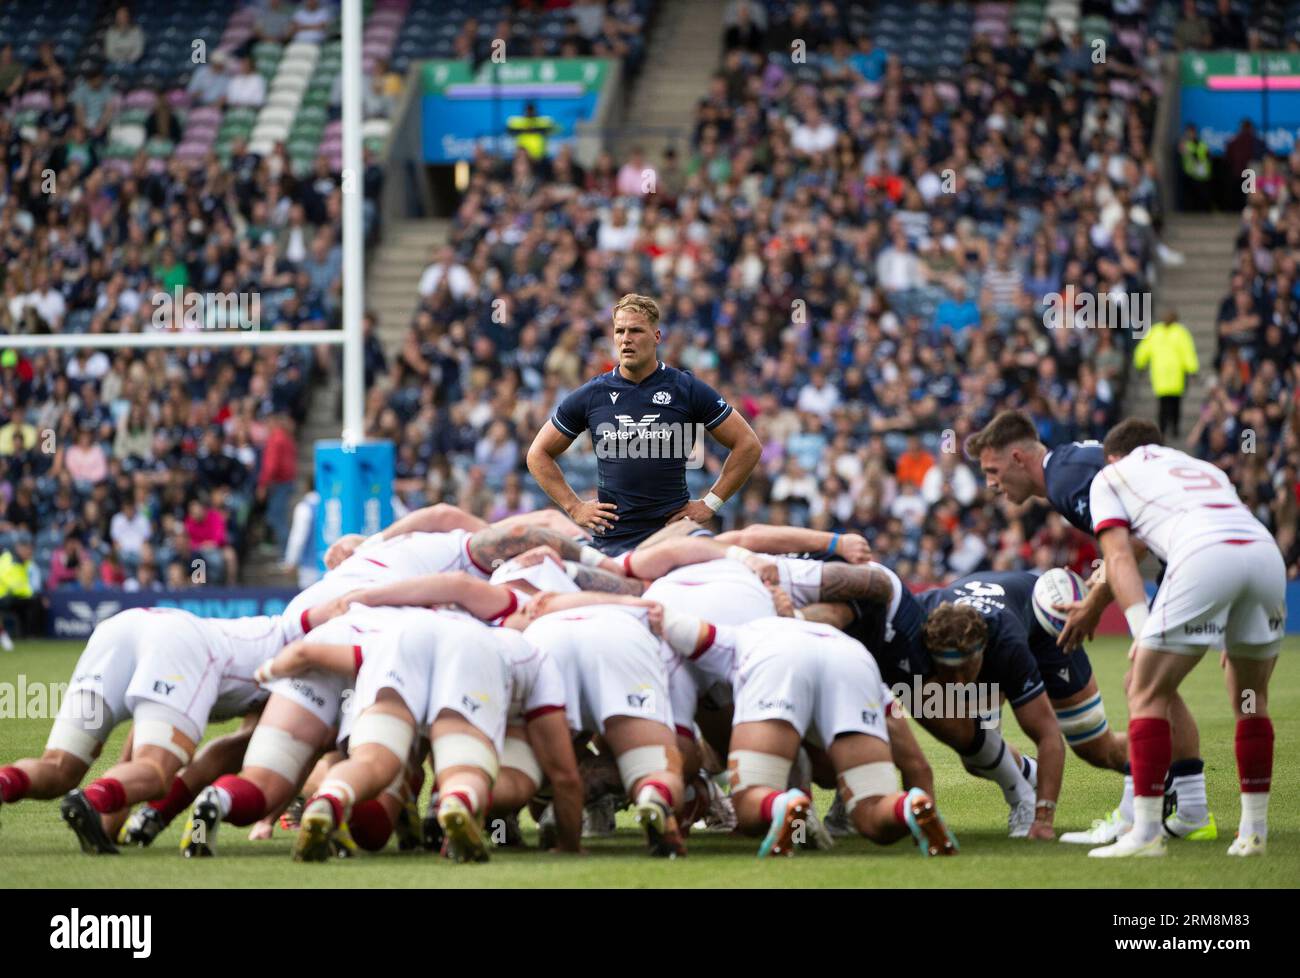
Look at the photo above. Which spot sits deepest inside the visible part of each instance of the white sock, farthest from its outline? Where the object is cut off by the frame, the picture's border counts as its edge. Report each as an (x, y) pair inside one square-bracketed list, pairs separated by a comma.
[(1190, 791), (1254, 814), (223, 800), (341, 792), (1126, 803), (994, 761), (1148, 813), (1029, 768)]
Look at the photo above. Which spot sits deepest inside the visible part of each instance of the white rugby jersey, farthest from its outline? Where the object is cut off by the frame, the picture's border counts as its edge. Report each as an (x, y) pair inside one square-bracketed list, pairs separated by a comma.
[(725, 592), (1171, 502), (536, 686), (235, 646), (414, 555)]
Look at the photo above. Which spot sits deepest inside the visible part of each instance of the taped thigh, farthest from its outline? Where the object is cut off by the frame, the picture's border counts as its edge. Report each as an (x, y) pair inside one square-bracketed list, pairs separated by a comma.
[(641, 762), (868, 781), (161, 726), (1084, 721), (517, 753), (755, 769), (462, 750), (388, 731), (278, 751)]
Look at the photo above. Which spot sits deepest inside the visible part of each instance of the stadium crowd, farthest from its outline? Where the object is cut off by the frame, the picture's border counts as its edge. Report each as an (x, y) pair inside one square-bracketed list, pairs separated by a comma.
[(860, 260)]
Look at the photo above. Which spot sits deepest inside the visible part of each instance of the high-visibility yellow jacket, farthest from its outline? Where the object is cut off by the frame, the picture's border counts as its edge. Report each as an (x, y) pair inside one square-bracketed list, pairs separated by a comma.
[(14, 580), (531, 133), (1169, 351), (1196, 159)]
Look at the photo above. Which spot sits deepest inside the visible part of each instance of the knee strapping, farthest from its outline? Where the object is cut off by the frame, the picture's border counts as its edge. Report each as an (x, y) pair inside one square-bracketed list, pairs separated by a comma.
[(518, 754), (868, 781), (463, 750), (390, 732), (755, 769), (278, 751), (1084, 721), (71, 738), (641, 762), (161, 726)]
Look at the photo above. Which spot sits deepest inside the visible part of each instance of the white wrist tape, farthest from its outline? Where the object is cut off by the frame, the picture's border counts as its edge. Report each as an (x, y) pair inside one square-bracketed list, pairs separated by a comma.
[(590, 557), (263, 674), (681, 631), (1137, 617), (713, 501), (739, 553)]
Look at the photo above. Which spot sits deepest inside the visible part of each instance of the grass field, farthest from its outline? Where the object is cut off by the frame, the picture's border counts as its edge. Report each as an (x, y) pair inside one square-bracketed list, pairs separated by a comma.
[(37, 850)]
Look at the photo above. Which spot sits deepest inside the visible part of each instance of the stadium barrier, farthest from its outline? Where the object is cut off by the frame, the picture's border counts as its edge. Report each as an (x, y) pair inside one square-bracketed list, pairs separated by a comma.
[(74, 613)]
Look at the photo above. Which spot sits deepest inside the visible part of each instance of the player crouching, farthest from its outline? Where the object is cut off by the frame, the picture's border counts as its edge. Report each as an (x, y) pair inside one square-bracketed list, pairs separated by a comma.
[(791, 680)]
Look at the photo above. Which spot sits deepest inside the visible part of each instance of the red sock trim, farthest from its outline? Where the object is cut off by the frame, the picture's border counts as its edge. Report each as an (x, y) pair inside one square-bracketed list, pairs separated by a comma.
[(334, 803), (370, 825), (662, 788), (179, 798), (900, 813), (627, 565), (765, 809), (247, 802), (303, 621), (463, 796), (1254, 747), (106, 795), (1150, 752), (14, 783)]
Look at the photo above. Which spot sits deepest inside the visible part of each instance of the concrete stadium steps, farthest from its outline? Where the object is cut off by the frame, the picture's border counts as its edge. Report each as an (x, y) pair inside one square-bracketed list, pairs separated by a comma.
[(1195, 289), (684, 50), (393, 274)]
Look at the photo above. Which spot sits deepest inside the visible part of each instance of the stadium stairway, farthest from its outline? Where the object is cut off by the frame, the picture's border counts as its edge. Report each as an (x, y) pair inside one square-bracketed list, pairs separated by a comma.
[(393, 275), (683, 52), (1195, 289)]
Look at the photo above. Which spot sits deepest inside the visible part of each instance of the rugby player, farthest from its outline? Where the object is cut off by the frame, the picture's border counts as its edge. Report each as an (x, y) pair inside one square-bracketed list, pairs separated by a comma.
[(1225, 588), (1019, 466), (793, 680), (642, 416), (170, 672)]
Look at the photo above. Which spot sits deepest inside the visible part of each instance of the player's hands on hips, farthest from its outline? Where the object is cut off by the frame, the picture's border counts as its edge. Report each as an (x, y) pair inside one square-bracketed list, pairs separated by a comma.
[(697, 510), (853, 547), (1080, 623), (342, 548), (592, 514)]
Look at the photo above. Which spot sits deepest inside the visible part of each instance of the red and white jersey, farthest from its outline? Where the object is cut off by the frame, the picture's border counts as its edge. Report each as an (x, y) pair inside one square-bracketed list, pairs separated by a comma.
[(403, 557), (414, 555), (725, 592), (235, 646), (1171, 502), (536, 685)]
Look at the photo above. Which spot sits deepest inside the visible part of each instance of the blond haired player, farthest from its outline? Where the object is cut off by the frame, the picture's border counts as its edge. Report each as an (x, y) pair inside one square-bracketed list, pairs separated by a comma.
[(1225, 588)]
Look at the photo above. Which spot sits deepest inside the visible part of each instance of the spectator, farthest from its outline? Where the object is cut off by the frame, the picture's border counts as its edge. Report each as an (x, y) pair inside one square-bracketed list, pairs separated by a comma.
[(279, 477), (1169, 353), (913, 464), (209, 83), (1192, 32), (20, 582), (130, 529), (247, 87), (311, 22), (123, 41), (205, 529), (85, 461)]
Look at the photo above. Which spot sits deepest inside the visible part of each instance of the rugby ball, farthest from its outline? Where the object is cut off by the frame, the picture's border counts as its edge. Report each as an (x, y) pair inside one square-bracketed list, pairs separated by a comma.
[(1056, 586)]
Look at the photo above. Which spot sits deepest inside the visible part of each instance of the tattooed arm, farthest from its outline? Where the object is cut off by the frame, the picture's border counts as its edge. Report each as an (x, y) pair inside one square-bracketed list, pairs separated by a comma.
[(496, 544), (595, 579), (847, 582)]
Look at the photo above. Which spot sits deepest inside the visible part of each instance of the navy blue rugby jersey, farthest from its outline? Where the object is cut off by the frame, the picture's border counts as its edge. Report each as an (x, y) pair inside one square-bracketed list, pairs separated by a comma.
[(643, 435), (1007, 658), (1068, 471)]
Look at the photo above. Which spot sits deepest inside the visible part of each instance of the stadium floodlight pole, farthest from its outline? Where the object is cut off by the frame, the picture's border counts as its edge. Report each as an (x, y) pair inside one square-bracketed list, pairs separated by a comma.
[(354, 393), (172, 338)]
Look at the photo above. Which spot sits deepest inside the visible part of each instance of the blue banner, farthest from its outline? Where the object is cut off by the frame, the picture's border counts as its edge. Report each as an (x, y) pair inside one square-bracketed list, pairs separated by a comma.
[(75, 613), (355, 482)]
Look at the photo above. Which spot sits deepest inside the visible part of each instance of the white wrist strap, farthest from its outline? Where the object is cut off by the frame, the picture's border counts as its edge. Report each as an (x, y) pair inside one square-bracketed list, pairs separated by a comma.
[(1137, 617), (590, 556), (264, 675), (681, 631), (739, 553), (713, 501)]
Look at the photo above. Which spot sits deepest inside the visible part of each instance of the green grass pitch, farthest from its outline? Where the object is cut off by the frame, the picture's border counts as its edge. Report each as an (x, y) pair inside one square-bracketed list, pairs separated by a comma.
[(37, 850)]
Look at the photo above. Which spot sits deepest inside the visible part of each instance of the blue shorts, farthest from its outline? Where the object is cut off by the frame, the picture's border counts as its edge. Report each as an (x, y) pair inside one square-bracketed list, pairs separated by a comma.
[(1064, 673)]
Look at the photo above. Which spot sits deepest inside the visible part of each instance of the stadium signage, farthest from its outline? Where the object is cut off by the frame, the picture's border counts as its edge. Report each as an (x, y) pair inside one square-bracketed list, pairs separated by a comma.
[(1219, 89), (74, 614)]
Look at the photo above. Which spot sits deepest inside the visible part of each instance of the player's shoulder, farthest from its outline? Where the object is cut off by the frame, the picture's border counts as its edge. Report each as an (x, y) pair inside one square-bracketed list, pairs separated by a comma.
[(1074, 459)]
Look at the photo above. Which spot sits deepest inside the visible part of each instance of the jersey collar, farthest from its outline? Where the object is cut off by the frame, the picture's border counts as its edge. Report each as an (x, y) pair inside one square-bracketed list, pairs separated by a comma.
[(616, 375)]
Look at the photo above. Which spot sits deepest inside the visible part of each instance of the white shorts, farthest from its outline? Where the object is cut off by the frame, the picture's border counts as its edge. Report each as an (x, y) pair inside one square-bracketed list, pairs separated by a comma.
[(724, 592), (823, 689), (612, 666), (139, 656), (1224, 595), (801, 579), (438, 662), (318, 692)]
